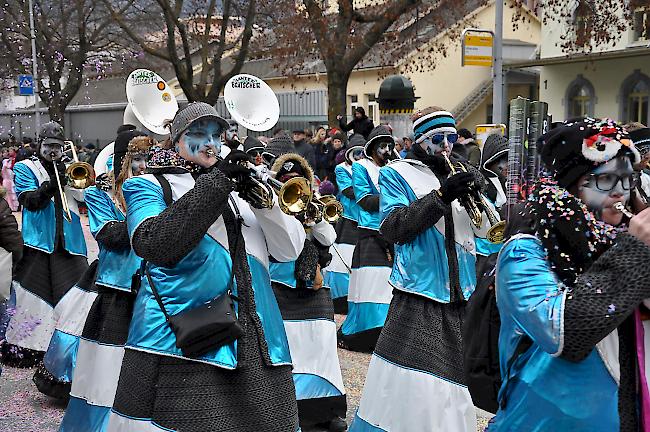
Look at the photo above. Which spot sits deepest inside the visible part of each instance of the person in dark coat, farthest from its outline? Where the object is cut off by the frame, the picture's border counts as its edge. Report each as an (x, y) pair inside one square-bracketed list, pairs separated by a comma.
[(11, 244), (467, 148), (302, 146), (360, 124)]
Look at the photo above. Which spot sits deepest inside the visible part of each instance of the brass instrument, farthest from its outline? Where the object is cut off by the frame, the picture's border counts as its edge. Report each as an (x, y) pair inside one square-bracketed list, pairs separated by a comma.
[(294, 195), (64, 201), (324, 207), (80, 174), (621, 208), (475, 205)]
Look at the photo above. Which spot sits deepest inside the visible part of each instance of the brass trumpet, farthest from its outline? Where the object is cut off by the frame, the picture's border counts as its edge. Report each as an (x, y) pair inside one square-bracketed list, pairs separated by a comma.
[(475, 205), (324, 207), (79, 175)]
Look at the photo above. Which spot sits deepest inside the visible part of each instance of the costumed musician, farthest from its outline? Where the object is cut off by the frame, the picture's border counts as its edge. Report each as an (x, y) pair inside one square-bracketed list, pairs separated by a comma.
[(415, 380), (54, 255), (203, 246), (572, 281)]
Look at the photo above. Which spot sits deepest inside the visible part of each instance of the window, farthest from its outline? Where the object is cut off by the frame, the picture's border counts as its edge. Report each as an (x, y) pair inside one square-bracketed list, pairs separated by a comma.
[(582, 23), (373, 108), (580, 98), (354, 102), (636, 95), (642, 24)]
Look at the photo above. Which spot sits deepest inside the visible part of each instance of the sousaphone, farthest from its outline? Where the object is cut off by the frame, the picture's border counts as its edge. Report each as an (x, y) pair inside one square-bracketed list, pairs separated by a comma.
[(151, 102)]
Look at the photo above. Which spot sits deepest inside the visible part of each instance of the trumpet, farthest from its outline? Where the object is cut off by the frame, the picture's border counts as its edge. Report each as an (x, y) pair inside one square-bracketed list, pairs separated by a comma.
[(325, 207), (475, 205), (294, 195)]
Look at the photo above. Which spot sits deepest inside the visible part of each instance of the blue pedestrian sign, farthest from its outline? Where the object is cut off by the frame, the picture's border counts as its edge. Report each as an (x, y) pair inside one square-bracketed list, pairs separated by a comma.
[(26, 85)]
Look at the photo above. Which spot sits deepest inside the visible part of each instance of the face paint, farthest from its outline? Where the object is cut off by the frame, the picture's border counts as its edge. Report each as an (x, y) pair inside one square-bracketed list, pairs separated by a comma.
[(202, 135), (232, 133), (384, 151), (499, 166), (601, 201), (138, 164), (51, 151)]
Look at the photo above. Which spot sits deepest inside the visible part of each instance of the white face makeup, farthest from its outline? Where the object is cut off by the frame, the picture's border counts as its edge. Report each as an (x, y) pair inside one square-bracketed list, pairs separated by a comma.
[(138, 164), (606, 185), (201, 142), (232, 133), (384, 151), (51, 151)]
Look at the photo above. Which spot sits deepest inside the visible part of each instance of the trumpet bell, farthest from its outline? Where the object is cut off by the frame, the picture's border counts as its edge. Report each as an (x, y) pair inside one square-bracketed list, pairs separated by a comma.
[(294, 195), (80, 175), (495, 233), (332, 208)]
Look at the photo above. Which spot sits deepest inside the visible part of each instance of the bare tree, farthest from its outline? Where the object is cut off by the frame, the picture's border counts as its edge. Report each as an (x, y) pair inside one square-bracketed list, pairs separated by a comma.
[(69, 34), (205, 41)]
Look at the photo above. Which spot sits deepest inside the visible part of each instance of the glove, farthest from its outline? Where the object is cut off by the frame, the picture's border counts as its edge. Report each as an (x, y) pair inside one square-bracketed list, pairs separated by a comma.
[(437, 164), (231, 166), (456, 186)]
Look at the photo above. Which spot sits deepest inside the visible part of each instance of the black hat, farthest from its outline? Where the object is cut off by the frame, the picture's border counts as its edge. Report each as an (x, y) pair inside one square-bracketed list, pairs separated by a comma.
[(641, 139), (299, 131), (125, 127), (574, 148), (280, 145), (121, 147), (51, 133), (496, 146), (251, 143), (292, 163), (379, 134)]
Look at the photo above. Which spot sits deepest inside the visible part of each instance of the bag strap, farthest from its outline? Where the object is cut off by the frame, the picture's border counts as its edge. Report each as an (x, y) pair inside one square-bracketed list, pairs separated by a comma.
[(232, 246), (522, 346), (166, 187)]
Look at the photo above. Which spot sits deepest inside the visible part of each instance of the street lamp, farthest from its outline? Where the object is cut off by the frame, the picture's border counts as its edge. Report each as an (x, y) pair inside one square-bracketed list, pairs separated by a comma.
[(34, 68)]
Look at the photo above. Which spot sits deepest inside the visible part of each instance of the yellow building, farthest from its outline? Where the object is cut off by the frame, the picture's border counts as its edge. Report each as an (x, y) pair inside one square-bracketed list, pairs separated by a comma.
[(466, 91)]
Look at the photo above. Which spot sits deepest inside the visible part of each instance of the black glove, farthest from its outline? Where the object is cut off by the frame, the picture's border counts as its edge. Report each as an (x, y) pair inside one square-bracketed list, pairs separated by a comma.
[(456, 186), (231, 166)]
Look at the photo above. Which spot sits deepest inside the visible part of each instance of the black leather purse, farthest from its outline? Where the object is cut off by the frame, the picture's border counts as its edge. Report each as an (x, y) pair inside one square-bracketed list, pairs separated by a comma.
[(205, 328)]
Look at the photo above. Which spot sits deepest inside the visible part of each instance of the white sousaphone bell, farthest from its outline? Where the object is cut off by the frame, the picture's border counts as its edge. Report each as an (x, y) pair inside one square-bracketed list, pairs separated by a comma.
[(251, 102)]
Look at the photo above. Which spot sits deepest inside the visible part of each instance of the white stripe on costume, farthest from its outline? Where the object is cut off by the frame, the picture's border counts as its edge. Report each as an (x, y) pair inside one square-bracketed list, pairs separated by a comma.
[(97, 372), (33, 323), (71, 311), (338, 266), (312, 345), (398, 399), (370, 285), (118, 423)]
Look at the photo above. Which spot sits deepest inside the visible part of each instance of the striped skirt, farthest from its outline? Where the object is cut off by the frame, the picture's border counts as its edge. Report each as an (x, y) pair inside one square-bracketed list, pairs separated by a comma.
[(369, 295), (99, 360), (54, 376), (41, 280), (337, 276), (415, 380), (308, 318)]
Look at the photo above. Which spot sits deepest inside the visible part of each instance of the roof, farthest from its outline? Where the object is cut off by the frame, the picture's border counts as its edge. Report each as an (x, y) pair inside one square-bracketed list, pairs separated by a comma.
[(583, 57)]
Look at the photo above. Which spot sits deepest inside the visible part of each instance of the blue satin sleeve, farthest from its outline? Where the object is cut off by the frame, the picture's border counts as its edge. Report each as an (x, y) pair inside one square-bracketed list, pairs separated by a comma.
[(144, 199), (394, 192), (25, 180), (101, 209), (361, 182), (529, 293), (343, 178)]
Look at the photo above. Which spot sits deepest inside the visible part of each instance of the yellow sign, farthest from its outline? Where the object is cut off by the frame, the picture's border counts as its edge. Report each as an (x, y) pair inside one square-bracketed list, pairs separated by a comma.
[(485, 130), (477, 49)]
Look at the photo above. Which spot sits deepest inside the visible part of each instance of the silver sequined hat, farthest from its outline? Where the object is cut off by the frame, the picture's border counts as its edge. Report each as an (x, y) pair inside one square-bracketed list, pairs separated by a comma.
[(194, 111)]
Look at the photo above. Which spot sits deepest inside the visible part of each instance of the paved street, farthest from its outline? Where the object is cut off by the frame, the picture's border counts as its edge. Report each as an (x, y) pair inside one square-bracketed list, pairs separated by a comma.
[(24, 409)]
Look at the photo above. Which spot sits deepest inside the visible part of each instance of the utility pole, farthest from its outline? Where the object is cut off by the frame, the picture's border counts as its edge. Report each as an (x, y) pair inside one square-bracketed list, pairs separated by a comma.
[(497, 86), (34, 69)]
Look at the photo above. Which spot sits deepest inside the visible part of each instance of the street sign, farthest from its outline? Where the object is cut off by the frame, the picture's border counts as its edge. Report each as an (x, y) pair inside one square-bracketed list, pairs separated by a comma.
[(25, 85), (477, 47)]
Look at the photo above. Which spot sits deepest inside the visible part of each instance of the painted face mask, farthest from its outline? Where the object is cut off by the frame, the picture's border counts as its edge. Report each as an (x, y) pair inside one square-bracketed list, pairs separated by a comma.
[(437, 143), (609, 183), (201, 143), (384, 151), (232, 134), (138, 164), (51, 151)]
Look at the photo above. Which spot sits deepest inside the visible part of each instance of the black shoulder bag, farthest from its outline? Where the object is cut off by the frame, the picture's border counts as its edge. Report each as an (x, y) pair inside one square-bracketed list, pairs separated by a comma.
[(211, 325)]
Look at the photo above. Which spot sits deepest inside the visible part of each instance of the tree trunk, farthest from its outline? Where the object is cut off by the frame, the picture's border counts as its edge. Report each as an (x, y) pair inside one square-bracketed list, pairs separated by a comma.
[(337, 84), (56, 110)]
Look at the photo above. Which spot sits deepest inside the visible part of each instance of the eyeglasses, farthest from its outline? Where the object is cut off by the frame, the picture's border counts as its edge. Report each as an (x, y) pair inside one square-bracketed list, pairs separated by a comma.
[(608, 181), (439, 138)]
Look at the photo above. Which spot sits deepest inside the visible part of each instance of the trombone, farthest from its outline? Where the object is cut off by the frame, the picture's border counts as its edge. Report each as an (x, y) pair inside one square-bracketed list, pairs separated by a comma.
[(79, 175), (324, 207)]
